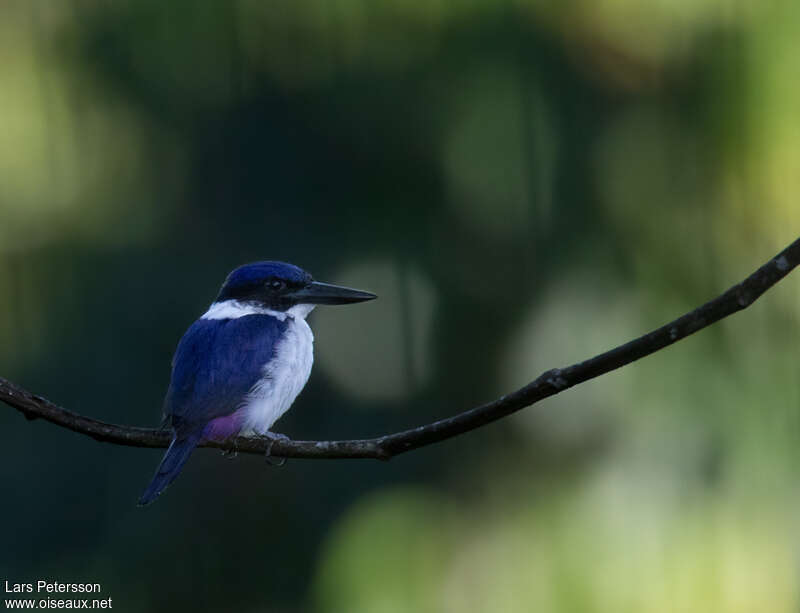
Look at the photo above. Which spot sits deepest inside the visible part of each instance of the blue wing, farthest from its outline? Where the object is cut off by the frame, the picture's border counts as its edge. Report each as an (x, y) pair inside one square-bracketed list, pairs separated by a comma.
[(216, 364)]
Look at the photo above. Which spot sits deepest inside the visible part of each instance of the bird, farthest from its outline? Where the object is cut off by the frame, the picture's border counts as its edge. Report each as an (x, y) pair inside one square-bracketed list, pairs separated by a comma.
[(240, 366)]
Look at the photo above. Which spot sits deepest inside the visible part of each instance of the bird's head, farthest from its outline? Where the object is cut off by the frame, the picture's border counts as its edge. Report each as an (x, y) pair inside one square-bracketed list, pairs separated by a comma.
[(280, 286)]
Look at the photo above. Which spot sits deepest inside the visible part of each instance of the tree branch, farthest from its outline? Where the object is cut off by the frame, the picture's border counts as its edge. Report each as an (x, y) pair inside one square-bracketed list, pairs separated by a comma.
[(549, 383)]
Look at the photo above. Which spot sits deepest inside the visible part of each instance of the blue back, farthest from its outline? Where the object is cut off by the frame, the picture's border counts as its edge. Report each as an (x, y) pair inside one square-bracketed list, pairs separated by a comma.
[(216, 364)]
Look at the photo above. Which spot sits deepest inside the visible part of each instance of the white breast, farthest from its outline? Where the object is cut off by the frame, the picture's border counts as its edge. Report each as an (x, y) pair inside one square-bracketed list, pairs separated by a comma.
[(284, 376)]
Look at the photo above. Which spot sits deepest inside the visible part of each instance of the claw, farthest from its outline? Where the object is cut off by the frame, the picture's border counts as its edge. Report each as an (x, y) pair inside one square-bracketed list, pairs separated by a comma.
[(230, 454), (272, 437)]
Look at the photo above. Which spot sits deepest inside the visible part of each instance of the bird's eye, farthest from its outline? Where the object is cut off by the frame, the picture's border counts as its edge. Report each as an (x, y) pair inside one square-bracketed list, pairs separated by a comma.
[(276, 285)]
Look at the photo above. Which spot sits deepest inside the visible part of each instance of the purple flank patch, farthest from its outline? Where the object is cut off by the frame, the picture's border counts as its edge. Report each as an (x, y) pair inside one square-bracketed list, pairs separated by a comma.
[(223, 428)]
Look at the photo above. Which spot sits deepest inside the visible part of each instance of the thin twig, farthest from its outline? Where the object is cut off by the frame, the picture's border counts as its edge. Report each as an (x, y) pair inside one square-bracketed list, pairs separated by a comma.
[(552, 382)]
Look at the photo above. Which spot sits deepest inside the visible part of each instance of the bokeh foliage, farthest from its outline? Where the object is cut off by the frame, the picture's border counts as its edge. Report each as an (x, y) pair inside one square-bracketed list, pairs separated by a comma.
[(523, 183)]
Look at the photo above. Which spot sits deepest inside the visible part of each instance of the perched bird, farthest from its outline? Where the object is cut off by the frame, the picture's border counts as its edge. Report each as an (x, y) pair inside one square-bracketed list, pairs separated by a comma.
[(240, 366)]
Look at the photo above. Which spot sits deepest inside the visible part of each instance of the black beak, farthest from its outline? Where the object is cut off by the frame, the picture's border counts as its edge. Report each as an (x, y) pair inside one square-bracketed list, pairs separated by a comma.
[(325, 293)]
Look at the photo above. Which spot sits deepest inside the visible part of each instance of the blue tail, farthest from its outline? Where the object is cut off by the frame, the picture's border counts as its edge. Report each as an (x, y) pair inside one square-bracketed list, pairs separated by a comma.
[(179, 451)]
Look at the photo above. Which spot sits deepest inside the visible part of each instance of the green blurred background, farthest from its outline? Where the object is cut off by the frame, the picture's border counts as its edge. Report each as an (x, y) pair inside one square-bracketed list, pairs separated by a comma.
[(524, 184)]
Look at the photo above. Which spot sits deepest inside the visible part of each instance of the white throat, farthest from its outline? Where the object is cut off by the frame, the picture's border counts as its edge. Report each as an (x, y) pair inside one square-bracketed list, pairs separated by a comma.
[(233, 309)]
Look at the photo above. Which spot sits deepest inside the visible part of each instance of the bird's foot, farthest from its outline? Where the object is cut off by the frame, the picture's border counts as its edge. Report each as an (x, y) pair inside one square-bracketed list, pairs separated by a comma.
[(275, 436), (272, 438), (231, 452)]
